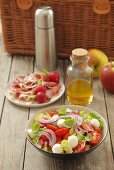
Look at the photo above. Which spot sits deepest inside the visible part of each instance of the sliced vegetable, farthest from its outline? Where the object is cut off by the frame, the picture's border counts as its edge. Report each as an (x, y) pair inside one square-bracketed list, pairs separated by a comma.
[(69, 123), (81, 147), (35, 126), (62, 111), (61, 132), (52, 127), (66, 147), (53, 119), (95, 138), (87, 127)]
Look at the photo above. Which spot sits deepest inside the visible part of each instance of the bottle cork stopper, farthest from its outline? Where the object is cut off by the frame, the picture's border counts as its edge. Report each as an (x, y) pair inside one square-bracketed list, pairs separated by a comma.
[(80, 52)]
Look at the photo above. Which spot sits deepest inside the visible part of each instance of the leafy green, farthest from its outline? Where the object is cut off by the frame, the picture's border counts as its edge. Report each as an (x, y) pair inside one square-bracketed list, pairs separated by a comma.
[(45, 71), (88, 137), (82, 112), (62, 111), (81, 137), (33, 97), (35, 141), (91, 115), (35, 126), (69, 123)]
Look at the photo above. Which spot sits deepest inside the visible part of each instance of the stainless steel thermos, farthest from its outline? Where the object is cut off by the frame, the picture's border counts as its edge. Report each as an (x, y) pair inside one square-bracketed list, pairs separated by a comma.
[(45, 39)]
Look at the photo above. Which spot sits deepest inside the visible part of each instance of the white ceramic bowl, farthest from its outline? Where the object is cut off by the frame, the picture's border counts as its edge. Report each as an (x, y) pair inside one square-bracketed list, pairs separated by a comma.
[(73, 107)]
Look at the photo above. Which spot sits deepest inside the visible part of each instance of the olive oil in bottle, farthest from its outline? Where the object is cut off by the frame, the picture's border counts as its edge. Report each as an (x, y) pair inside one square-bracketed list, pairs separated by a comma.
[(79, 88)]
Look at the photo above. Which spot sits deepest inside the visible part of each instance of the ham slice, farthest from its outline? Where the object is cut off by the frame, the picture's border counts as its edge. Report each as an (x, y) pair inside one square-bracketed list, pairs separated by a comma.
[(24, 86)]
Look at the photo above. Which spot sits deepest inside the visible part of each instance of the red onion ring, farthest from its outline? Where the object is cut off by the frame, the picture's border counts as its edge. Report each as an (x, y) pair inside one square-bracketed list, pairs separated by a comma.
[(53, 141), (45, 121), (50, 135)]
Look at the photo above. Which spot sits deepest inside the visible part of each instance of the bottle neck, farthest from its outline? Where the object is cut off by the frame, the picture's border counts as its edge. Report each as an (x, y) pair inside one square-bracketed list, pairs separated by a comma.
[(79, 61)]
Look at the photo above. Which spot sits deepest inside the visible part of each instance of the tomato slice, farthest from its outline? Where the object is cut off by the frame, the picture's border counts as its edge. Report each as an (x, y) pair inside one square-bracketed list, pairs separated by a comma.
[(52, 113), (96, 129), (44, 138), (52, 127), (61, 132), (66, 135), (87, 126), (76, 112), (80, 148), (95, 138)]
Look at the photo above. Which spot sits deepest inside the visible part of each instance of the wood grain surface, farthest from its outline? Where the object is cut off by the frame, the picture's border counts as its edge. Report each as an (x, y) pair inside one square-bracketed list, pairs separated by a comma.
[(16, 153)]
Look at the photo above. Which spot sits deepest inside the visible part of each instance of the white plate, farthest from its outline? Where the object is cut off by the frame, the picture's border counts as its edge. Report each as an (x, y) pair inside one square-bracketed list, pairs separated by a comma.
[(29, 104)]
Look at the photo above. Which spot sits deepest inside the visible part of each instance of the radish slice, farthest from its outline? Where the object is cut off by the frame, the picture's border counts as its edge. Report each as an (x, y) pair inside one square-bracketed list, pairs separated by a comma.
[(53, 119)]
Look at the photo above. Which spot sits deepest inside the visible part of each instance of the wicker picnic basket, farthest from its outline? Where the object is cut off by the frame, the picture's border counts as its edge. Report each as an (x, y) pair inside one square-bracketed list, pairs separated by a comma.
[(77, 25)]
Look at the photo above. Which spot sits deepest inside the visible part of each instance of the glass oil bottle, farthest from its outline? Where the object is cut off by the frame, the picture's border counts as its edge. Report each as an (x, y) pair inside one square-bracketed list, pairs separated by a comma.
[(79, 87)]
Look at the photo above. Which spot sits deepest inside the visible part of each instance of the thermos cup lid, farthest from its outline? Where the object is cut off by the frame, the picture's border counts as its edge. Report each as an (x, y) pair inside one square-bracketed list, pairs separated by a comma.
[(44, 17)]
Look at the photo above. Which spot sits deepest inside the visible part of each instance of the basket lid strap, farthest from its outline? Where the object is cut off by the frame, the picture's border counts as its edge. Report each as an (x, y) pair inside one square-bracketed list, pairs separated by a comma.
[(24, 4), (102, 6)]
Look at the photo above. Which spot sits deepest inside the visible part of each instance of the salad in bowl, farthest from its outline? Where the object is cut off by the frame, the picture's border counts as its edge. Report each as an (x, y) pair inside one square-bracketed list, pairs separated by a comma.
[(66, 130)]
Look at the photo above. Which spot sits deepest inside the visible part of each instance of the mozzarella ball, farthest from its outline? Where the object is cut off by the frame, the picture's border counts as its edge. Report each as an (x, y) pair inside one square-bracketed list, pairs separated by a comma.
[(57, 148), (60, 123), (73, 141), (31, 133), (95, 122)]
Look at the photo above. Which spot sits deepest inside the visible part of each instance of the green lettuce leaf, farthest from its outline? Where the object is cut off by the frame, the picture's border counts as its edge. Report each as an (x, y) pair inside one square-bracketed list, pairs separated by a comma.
[(69, 123), (62, 111), (35, 126)]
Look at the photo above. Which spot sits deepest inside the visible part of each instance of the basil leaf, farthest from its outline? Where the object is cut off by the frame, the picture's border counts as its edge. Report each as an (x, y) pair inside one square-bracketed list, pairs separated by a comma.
[(88, 137), (81, 137), (62, 111), (69, 123)]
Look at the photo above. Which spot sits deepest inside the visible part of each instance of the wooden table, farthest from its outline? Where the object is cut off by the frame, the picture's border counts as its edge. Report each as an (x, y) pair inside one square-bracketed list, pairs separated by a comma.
[(16, 153)]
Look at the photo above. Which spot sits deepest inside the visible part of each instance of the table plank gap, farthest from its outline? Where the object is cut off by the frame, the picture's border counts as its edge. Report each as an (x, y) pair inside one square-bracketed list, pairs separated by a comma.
[(109, 98), (33, 158), (13, 122)]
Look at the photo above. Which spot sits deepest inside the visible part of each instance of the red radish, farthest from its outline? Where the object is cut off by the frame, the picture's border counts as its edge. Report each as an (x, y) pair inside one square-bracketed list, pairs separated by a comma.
[(39, 89), (54, 76), (40, 97)]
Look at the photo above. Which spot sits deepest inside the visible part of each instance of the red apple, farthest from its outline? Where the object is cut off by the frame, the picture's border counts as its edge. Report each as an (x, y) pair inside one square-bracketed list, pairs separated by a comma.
[(106, 76)]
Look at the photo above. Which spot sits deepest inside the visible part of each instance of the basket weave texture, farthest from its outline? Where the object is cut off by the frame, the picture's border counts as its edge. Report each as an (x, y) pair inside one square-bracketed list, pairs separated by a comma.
[(76, 25)]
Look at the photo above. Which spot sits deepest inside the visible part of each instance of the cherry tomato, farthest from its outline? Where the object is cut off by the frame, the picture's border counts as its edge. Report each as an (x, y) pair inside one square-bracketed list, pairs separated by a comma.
[(61, 132), (39, 89), (96, 129), (95, 138), (54, 76), (80, 148), (54, 112), (40, 97), (52, 127), (87, 126)]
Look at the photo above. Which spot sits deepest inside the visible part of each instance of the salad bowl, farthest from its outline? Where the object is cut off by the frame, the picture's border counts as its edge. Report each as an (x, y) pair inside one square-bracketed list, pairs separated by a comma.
[(77, 109)]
